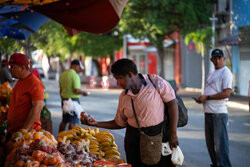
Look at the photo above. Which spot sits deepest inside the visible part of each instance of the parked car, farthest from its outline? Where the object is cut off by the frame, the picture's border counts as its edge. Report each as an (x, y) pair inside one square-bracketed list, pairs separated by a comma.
[(40, 69)]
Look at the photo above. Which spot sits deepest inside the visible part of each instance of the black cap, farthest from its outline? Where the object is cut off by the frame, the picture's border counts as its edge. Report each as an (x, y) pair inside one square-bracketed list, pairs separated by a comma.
[(217, 53), (77, 62)]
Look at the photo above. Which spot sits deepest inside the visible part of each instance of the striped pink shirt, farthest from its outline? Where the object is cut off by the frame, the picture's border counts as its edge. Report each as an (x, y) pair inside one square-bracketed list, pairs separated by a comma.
[(148, 104)]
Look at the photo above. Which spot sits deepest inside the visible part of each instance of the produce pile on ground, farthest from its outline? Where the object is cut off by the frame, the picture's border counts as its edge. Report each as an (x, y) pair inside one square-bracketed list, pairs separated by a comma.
[(79, 147)]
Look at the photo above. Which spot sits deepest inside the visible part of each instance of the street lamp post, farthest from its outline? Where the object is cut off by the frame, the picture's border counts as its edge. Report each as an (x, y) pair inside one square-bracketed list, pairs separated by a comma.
[(213, 19)]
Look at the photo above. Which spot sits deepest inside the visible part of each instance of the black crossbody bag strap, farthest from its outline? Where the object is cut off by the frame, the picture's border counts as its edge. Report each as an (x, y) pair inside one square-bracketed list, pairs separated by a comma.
[(165, 125), (135, 115), (165, 113)]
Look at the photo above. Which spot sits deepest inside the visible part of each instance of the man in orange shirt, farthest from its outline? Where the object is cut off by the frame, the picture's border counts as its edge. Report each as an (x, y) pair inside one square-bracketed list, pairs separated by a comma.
[(27, 96)]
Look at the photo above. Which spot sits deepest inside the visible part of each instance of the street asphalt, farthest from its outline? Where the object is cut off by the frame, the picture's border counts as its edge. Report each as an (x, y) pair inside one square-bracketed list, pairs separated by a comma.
[(102, 105)]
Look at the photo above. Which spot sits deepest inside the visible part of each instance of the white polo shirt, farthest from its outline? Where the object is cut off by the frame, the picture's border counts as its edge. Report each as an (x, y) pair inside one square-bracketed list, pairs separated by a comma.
[(217, 81)]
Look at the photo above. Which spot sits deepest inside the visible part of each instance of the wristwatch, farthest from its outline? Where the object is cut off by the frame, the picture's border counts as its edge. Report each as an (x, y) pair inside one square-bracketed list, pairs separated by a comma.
[(208, 97)]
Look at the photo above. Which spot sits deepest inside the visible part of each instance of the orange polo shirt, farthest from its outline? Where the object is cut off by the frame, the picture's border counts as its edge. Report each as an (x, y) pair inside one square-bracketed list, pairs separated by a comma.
[(24, 92)]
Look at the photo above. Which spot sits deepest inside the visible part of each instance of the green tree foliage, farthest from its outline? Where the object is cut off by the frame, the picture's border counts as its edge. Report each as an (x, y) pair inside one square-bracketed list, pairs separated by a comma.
[(8, 46), (55, 41), (158, 19), (99, 45)]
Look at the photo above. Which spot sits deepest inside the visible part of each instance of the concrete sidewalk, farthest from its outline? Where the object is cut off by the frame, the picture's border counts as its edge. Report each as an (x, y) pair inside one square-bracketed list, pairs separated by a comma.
[(235, 101)]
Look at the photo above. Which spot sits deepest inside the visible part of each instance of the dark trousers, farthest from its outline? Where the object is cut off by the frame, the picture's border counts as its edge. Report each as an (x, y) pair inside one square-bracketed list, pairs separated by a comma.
[(217, 139), (132, 149)]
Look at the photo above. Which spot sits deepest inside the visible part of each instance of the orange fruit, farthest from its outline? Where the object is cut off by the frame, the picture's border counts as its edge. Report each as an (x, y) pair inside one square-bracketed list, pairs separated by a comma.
[(44, 138), (50, 137), (42, 165), (45, 161), (19, 163), (28, 142), (52, 160), (35, 164), (36, 136), (27, 136), (59, 165)]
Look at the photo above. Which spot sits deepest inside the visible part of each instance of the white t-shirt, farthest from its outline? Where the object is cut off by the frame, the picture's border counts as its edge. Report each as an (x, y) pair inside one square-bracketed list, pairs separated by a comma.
[(217, 81)]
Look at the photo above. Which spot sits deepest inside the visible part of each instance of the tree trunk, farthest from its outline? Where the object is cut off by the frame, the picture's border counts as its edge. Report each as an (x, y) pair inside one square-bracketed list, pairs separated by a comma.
[(160, 51), (27, 48), (229, 57), (202, 70)]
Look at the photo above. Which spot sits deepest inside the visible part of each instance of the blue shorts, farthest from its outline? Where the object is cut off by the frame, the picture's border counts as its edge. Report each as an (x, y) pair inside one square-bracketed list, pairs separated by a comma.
[(67, 118)]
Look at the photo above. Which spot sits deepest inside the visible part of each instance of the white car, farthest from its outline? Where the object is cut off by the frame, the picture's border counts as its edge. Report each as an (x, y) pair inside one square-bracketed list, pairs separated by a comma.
[(39, 68)]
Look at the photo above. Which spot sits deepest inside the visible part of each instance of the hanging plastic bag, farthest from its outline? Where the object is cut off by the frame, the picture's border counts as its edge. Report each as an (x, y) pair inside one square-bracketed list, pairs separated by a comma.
[(166, 150), (177, 156), (72, 107)]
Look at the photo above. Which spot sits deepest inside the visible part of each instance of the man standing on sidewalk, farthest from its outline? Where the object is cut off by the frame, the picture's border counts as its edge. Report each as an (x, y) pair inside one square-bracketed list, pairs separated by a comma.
[(216, 93), (70, 87)]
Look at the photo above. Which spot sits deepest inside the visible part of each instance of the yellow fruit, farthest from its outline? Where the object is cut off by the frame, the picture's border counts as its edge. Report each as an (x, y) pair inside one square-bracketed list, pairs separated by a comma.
[(104, 139), (92, 132), (92, 146), (107, 148), (87, 128), (75, 142), (114, 145), (94, 142), (95, 152), (106, 143), (115, 152), (77, 138), (101, 153), (61, 134), (64, 139), (84, 131), (59, 139), (96, 130), (94, 149), (70, 136), (105, 133), (111, 156), (90, 138)]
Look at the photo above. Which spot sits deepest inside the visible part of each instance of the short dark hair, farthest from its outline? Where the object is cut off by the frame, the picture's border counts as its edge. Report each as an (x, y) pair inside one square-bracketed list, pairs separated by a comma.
[(124, 67)]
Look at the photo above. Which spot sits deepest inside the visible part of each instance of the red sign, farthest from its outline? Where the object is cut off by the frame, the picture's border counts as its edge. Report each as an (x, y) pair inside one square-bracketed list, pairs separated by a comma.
[(191, 47)]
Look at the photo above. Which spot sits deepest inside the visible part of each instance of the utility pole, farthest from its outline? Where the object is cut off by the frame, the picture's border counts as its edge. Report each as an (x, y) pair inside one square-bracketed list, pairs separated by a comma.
[(125, 46), (213, 19)]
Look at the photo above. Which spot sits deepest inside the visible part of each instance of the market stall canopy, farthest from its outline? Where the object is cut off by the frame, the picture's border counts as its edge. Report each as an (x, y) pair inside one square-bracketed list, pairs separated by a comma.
[(25, 2), (18, 23), (94, 16)]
